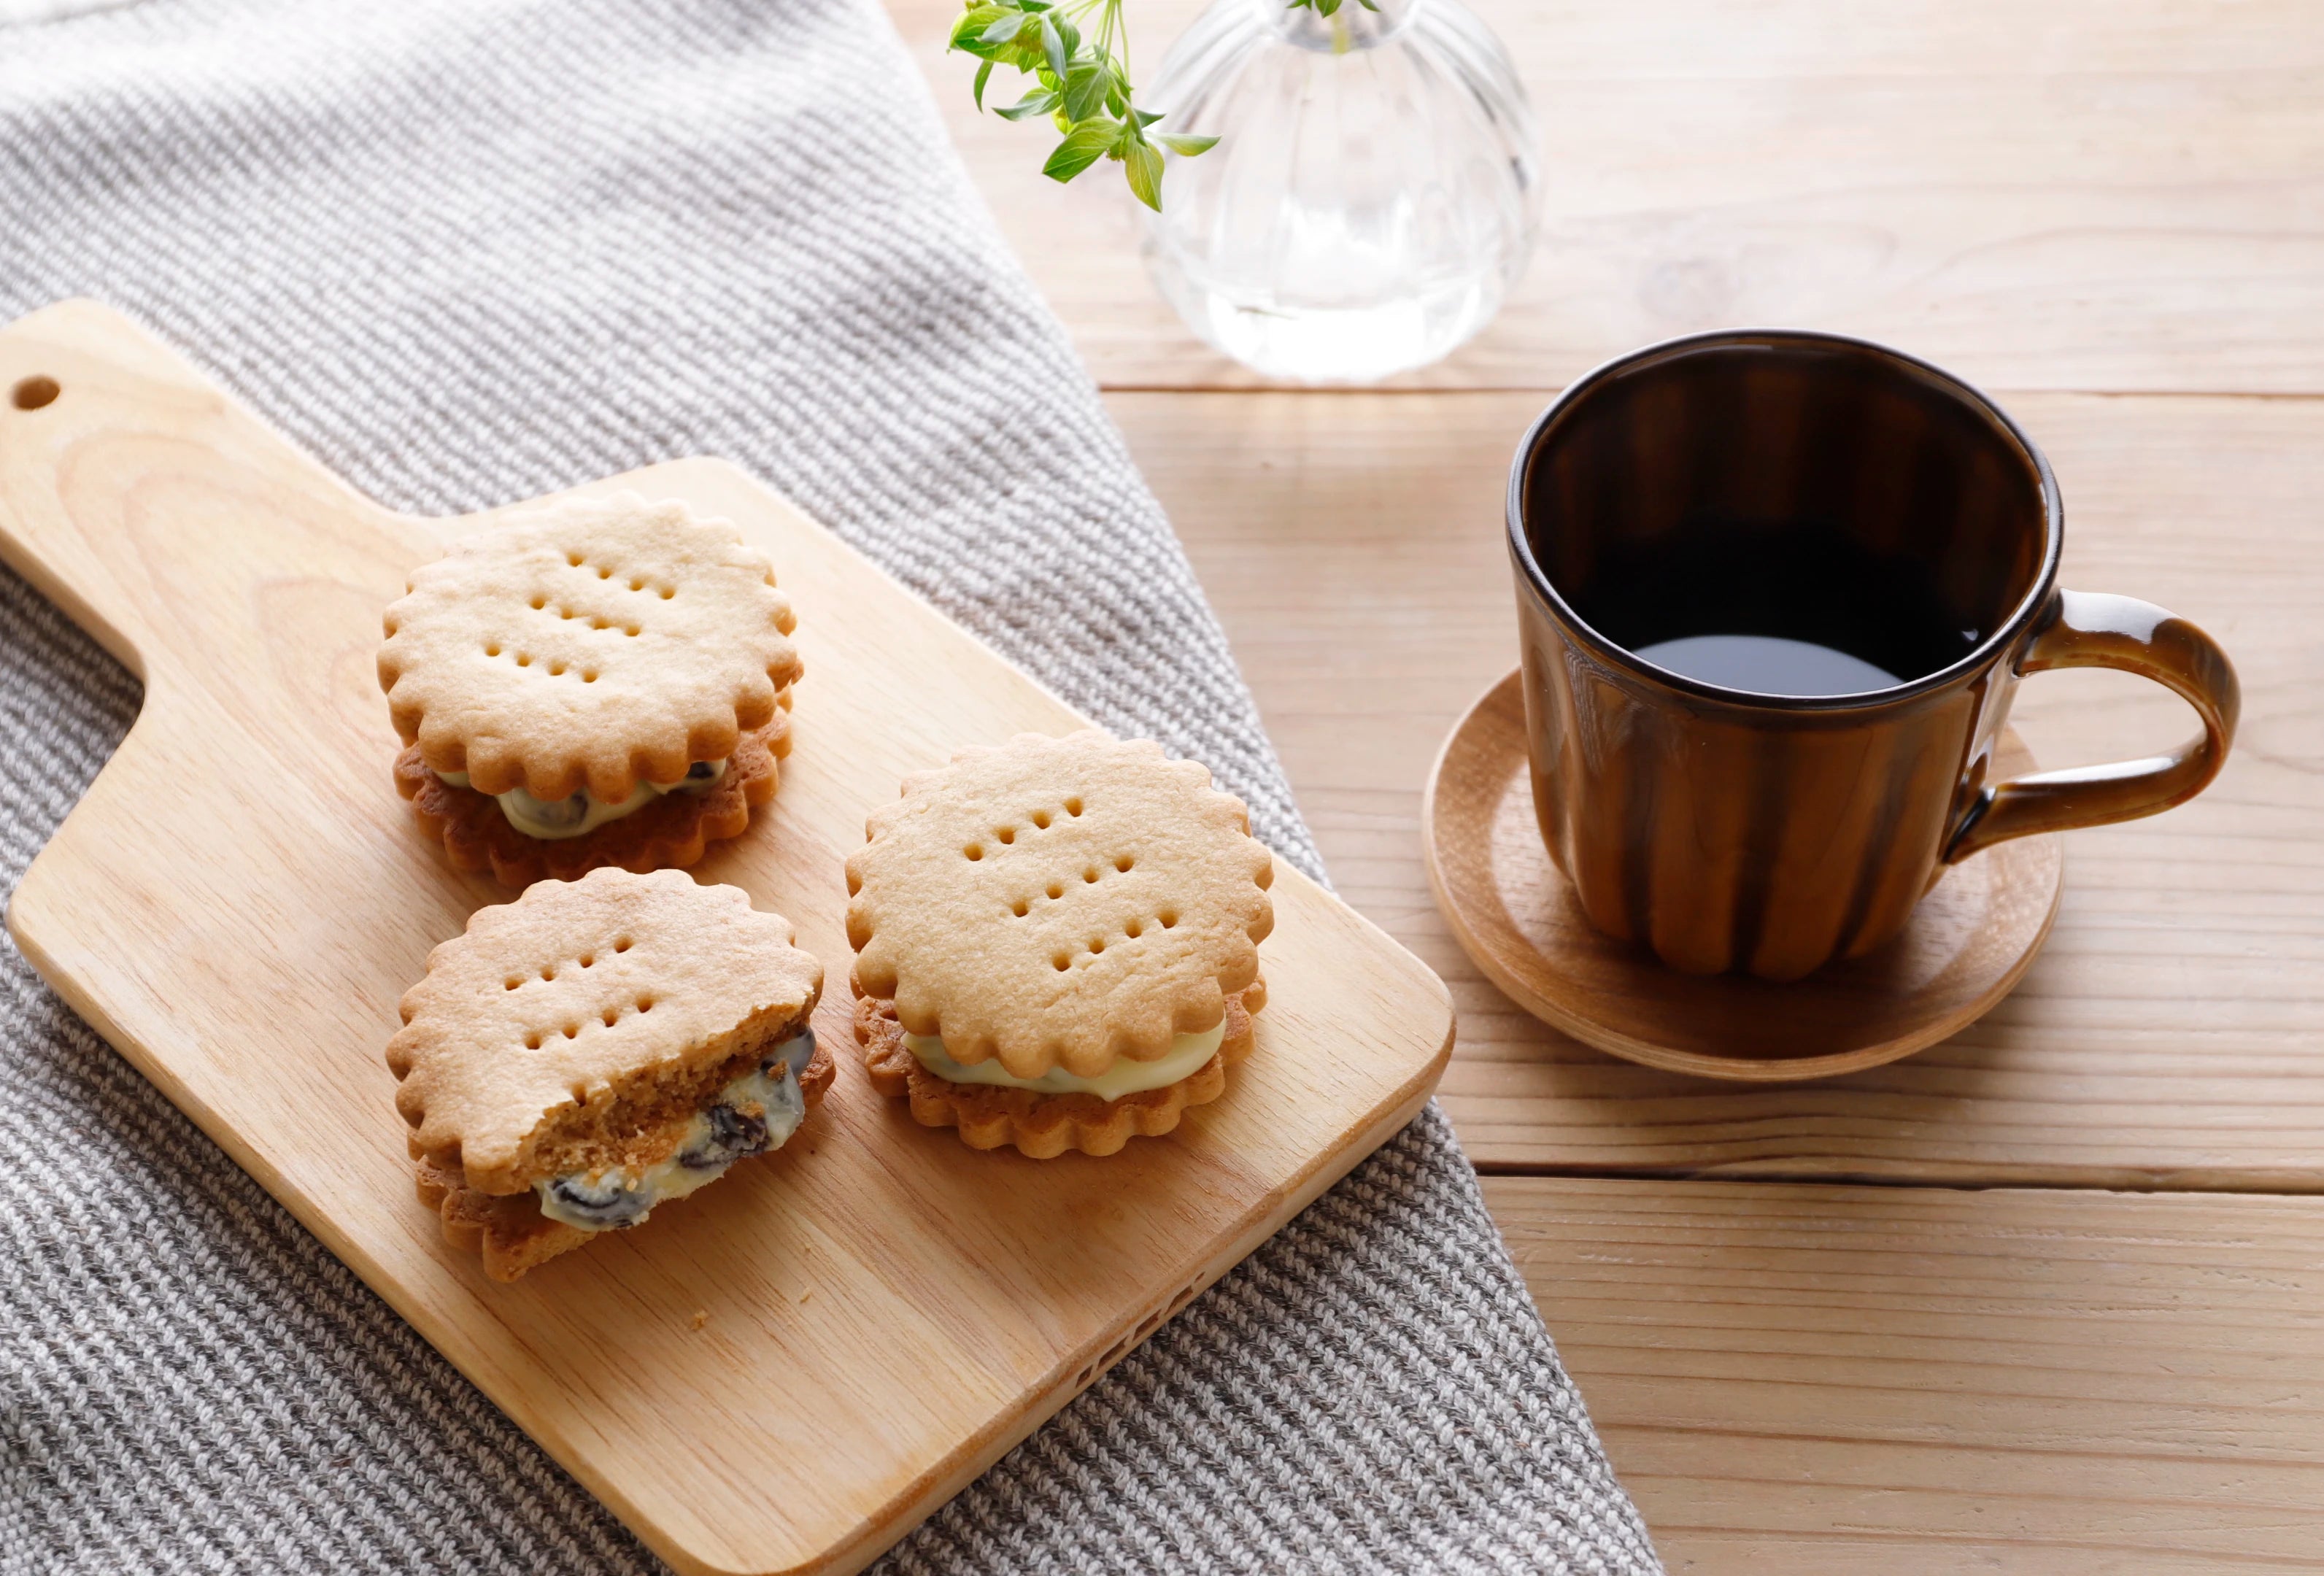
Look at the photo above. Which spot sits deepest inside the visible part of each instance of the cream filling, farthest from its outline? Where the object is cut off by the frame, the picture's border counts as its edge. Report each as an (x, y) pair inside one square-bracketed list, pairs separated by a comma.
[(755, 1113), (1184, 1059), (585, 812)]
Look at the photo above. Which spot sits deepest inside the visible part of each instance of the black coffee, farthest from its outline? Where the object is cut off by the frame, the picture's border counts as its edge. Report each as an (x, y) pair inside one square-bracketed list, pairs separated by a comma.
[(1782, 609), (1768, 665)]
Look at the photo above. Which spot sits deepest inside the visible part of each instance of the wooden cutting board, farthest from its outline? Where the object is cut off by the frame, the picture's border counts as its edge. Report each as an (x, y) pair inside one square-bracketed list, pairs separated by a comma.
[(241, 896)]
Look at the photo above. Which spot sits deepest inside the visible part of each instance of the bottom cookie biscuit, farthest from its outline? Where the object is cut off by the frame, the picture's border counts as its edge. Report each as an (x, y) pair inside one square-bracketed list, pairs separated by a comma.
[(1043, 1126), (509, 1230), (670, 834)]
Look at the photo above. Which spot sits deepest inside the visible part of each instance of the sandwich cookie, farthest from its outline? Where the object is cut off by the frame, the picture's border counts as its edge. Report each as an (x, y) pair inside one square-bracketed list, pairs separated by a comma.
[(1057, 943), (596, 681), (595, 1049)]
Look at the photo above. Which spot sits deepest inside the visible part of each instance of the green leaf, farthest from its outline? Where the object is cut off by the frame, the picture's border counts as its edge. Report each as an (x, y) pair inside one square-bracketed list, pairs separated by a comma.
[(1032, 104), (967, 33), (1143, 166), (1082, 147), (1085, 89), (1082, 86)]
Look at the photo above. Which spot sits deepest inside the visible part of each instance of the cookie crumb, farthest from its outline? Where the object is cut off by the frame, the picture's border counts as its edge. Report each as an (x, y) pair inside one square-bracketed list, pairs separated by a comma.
[(701, 1317)]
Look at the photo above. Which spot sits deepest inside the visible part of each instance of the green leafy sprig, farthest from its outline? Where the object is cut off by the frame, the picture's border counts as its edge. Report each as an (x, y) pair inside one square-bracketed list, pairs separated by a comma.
[(1078, 53)]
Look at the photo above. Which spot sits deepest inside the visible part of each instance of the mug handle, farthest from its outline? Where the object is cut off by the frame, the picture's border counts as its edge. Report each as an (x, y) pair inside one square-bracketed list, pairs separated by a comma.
[(2086, 628)]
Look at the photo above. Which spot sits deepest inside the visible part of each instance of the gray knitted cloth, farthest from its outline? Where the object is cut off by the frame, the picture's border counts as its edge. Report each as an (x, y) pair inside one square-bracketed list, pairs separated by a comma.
[(471, 250)]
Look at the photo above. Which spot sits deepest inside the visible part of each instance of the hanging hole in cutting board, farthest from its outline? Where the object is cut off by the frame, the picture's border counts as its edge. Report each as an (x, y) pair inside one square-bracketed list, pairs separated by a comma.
[(32, 394)]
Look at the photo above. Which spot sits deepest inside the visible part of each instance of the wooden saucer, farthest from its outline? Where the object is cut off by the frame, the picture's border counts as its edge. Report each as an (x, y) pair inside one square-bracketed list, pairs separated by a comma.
[(1969, 942)]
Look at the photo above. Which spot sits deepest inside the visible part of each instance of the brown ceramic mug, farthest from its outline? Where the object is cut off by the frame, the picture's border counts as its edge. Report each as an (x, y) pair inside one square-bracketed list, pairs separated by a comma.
[(1775, 590)]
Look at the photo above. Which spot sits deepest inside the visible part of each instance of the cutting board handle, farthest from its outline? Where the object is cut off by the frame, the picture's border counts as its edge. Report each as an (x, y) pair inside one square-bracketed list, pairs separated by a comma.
[(137, 496)]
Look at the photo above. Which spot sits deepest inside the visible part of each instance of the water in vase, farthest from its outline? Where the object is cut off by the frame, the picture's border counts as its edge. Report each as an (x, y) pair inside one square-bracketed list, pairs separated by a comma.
[(1373, 195)]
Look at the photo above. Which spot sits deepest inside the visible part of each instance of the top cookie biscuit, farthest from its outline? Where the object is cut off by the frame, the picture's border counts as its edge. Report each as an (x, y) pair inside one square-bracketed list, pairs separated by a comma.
[(599, 998), (590, 642), (1059, 903)]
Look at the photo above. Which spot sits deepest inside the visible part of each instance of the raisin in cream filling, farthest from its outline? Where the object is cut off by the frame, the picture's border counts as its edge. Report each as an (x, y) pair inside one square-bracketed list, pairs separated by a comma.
[(1184, 1059), (756, 1112), (585, 812)]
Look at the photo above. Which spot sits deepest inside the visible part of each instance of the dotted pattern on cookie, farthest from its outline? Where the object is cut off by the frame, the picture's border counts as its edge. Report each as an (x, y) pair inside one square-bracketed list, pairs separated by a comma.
[(567, 995), (592, 641), (1059, 902)]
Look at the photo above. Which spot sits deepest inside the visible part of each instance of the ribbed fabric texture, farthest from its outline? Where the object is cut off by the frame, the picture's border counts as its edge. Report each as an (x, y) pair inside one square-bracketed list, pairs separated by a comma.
[(471, 250)]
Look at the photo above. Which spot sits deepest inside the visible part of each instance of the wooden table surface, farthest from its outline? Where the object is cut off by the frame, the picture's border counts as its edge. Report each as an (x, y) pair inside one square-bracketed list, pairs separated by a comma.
[(2110, 214)]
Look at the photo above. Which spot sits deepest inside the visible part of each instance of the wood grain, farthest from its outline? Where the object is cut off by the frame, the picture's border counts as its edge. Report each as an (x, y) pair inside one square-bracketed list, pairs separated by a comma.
[(1802, 1380), (2166, 1036), (1969, 941), (2052, 196), (1822, 1381), (241, 898)]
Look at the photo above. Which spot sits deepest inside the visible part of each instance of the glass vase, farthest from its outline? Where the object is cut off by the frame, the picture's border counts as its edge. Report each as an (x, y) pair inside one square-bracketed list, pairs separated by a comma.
[(1373, 194)]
